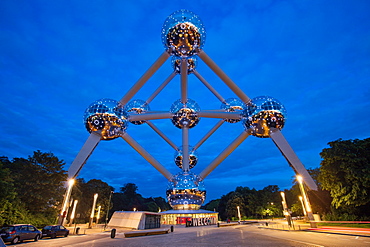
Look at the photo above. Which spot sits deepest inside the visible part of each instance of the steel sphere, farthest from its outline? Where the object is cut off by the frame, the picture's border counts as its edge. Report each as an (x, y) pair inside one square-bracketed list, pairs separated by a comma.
[(137, 106), (193, 157), (191, 64), (233, 105), (183, 32), (185, 115), (186, 191), (107, 116), (262, 114)]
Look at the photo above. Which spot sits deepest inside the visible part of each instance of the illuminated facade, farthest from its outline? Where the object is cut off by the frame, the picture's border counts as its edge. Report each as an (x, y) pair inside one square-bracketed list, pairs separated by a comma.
[(183, 36)]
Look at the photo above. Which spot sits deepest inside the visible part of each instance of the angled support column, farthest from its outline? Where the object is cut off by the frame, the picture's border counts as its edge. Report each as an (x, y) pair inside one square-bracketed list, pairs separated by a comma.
[(185, 149), (210, 88), (160, 88), (147, 156), (293, 160), (136, 87), (161, 134), (213, 66), (213, 130), (227, 151), (84, 154)]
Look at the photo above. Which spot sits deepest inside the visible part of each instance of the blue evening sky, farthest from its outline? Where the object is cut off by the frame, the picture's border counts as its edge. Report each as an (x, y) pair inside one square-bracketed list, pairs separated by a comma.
[(57, 57)]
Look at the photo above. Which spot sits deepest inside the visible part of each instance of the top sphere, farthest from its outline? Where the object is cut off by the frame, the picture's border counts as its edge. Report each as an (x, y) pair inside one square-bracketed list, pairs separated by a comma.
[(184, 33), (263, 113)]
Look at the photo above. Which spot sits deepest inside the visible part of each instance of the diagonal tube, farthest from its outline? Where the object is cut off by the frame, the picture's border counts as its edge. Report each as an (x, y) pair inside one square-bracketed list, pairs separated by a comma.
[(227, 151), (84, 154), (160, 88), (136, 87), (147, 156), (161, 134), (293, 160), (213, 130), (210, 88), (213, 66), (150, 116), (184, 81), (185, 149)]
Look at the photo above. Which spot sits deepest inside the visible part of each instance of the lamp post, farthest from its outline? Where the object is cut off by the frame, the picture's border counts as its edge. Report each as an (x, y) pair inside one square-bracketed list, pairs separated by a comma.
[(306, 201), (239, 213), (63, 213), (106, 216), (285, 209), (98, 215), (73, 212), (93, 210), (303, 207)]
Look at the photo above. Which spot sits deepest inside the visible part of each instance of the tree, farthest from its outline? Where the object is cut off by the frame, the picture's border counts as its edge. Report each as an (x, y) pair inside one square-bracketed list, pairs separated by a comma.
[(345, 172), (39, 181)]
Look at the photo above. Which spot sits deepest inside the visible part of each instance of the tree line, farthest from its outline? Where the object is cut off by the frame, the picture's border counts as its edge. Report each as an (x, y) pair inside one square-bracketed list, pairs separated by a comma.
[(343, 180), (32, 190)]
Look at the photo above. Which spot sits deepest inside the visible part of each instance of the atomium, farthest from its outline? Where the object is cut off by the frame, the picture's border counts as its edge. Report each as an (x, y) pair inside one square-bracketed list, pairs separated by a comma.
[(186, 191), (183, 36), (193, 157), (233, 105), (183, 33), (137, 106), (191, 64), (185, 115), (262, 114), (107, 116)]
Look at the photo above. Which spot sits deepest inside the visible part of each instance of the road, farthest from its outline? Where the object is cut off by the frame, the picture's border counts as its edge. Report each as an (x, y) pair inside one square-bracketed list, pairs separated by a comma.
[(243, 235)]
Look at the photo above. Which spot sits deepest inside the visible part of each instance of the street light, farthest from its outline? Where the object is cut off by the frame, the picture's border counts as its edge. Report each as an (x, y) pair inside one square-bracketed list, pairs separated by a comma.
[(106, 216), (73, 212), (239, 213), (285, 209), (303, 207), (305, 199), (98, 215), (63, 213), (93, 210)]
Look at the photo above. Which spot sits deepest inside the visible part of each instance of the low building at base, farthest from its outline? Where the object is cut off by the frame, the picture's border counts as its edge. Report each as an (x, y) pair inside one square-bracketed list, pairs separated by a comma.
[(138, 220), (193, 217)]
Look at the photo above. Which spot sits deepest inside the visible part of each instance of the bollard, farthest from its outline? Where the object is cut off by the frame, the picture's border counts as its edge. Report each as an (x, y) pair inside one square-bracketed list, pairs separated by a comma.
[(113, 233), (77, 230), (218, 224), (267, 224), (171, 228)]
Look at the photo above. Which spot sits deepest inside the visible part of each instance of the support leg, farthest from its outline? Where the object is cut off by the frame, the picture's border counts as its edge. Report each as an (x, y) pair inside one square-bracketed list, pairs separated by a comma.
[(293, 160), (84, 154)]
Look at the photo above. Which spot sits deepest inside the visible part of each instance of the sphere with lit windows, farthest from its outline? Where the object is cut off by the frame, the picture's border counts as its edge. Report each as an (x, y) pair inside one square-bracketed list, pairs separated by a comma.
[(183, 33), (137, 106), (263, 113), (185, 115), (233, 105), (191, 63), (185, 191), (107, 116), (193, 157)]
